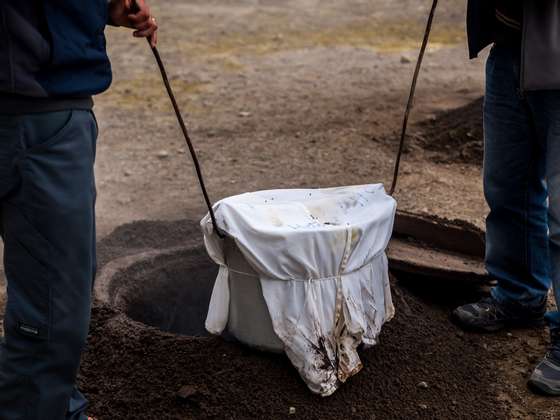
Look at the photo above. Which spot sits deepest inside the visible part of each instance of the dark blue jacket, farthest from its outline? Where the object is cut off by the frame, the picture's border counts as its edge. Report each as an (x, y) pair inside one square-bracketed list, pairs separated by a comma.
[(53, 49)]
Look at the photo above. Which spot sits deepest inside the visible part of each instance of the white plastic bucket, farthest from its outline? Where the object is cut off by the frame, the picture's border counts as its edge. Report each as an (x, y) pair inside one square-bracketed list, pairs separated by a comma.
[(304, 271), (249, 318)]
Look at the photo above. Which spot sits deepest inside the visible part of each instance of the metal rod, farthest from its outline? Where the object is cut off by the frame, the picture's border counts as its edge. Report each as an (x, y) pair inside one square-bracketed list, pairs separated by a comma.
[(410, 103), (187, 139)]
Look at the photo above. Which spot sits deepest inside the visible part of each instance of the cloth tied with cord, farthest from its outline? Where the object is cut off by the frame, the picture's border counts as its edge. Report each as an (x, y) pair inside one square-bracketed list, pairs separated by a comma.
[(317, 263), (318, 256)]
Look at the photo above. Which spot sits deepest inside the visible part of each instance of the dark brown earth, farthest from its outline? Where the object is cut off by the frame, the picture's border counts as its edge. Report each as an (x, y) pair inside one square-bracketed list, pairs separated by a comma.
[(130, 368), (454, 136)]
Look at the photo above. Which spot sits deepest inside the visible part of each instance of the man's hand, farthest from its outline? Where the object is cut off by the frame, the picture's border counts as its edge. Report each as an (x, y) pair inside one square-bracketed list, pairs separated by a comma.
[(134, 14)]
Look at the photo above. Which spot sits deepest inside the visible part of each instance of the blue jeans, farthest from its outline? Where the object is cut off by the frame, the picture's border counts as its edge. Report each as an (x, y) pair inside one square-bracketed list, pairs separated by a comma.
[(47, 197), (521, 185)]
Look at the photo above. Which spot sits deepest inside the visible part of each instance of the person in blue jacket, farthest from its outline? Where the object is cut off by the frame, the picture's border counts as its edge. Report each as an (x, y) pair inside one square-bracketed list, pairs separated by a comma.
[(52, 61)]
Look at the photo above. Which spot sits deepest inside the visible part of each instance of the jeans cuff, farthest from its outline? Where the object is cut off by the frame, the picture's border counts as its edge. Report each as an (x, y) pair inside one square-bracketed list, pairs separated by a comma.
[(513, 304), (553, 319)]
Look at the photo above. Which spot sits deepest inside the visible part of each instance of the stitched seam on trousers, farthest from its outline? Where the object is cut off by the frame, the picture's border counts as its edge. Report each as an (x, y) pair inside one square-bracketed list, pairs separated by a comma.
[(49, 289), (45, 267), (532, 166), (526, 216), (528, 261)]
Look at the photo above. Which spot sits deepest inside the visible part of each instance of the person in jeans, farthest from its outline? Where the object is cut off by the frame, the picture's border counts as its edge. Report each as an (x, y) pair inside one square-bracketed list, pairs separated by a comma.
[(52, 60), (521, 170)]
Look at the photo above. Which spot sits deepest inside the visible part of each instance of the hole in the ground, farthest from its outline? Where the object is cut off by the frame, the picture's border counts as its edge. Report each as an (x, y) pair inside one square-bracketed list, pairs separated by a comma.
[(170, 292)]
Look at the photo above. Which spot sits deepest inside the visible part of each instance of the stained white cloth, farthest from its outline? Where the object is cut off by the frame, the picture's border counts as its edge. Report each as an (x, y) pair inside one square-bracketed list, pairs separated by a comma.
[(320, 257)]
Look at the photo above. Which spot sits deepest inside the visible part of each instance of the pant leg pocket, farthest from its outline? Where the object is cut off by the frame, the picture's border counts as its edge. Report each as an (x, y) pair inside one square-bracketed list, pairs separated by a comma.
[(26, 260), (41, 131)]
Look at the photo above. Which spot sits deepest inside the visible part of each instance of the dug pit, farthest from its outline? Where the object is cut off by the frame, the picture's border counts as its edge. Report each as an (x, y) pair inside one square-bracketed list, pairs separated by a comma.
[(169, 290)]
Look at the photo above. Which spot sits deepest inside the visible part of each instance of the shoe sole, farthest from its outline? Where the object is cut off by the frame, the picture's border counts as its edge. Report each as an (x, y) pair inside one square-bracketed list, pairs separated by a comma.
[(517, 324), (542, 388)]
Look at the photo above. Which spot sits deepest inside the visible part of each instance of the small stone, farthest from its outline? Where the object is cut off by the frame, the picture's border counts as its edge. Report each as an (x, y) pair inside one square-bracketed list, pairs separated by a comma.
[(127, 173), (163, 154), (354, 411), (405, 59), (292, 411), (509, 334), (423, 385), (423, 406), (244, 114), (186, 392)]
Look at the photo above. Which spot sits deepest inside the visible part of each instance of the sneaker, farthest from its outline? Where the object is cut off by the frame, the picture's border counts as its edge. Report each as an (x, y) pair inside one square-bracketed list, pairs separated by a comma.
[(545, 379), (487, 315)]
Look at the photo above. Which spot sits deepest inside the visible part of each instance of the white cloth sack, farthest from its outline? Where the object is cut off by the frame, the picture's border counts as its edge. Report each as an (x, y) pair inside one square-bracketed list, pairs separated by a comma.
[(320, 256)]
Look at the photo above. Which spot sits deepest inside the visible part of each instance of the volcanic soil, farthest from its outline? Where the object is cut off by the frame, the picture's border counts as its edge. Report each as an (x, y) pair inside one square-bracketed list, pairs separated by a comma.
[(454, 136), (423, 367)]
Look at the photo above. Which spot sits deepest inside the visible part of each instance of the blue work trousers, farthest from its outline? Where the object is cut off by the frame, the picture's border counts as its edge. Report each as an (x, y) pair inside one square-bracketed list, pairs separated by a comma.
[(47, 197)]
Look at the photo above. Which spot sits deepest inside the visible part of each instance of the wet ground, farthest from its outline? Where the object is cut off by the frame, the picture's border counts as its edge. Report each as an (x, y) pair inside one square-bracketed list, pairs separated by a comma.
[(302, 93)]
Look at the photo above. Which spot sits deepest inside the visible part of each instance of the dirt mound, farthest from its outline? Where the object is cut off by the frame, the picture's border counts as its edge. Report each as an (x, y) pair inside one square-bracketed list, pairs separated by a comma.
[(423, 368), (153, 234), (140, 235), (454, 136)]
